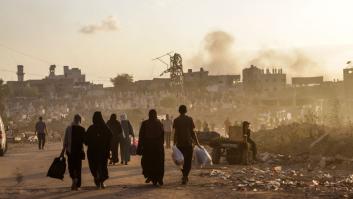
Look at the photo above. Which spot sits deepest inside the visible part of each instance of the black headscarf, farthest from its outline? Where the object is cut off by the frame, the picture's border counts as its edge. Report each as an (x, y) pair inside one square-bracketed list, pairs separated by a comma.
[(98, 118), (152, 114), (112, 117)]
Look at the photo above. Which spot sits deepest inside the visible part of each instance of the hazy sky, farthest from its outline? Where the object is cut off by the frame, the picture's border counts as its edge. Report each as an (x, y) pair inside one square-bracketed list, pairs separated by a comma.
[(106, 37)]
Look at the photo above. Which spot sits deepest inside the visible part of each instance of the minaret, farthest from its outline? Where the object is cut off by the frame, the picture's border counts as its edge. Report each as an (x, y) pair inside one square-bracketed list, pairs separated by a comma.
[(20, 73), (52, 71)]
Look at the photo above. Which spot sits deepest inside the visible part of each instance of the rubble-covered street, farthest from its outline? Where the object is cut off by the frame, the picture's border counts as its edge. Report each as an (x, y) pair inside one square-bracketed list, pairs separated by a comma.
[(274, 176), (279, 174)]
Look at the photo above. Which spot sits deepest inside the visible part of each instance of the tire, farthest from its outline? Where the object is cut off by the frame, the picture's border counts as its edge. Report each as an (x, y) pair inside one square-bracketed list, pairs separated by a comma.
[(234, 156), (216, 155)]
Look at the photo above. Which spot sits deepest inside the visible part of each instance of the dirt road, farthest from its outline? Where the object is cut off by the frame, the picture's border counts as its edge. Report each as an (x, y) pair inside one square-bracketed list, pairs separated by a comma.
[(23, 175)]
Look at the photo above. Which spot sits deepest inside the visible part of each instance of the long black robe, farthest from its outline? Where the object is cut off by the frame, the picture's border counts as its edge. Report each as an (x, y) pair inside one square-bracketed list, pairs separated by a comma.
[(117, 136), (98, 138), (151, 140)]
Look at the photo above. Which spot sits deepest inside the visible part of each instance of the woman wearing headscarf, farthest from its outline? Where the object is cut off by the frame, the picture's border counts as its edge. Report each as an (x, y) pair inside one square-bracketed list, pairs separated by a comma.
[(117, 135), (73, 146), (98, 138), (126, 141), (151, 140)]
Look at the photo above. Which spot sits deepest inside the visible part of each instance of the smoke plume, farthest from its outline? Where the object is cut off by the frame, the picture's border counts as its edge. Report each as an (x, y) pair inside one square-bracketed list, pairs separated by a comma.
[(216, 53), (219, 55), (293, 61), (108, 24)]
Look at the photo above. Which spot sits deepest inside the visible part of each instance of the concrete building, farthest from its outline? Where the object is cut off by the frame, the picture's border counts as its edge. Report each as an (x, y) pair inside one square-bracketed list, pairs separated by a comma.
[(73, 74), (202, 78), (257, 81), (192, 80), (307, 81), (72, 82)]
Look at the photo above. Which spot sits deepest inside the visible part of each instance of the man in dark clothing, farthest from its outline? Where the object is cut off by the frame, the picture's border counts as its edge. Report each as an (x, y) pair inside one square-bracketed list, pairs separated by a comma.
[(98, 138), (246, 133), (41, 131), (184, 136), (150, 147), (73, 145), (117, 136)]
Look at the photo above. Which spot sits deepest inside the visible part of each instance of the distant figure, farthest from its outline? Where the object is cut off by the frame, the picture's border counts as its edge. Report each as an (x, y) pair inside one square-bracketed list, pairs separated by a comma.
[(117, 137), (98, 138), (246, 133), (151, 139), (168, 127), (205, 127), (226, 126), (73, 146), (41, 132), (198, 125), (126, 141), (184, 137)]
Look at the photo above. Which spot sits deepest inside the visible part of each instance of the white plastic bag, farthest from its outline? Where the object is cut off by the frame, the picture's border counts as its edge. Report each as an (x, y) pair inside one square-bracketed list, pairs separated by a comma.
[(202, 157), (177, 156)]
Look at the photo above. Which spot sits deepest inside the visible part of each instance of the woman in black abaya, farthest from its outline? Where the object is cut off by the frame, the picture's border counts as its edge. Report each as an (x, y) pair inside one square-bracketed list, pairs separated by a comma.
[(150, 146), (98, 138)]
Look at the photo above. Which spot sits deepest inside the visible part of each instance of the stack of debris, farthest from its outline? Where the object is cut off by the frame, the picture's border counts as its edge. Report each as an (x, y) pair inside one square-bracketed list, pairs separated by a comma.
[(299, 138)]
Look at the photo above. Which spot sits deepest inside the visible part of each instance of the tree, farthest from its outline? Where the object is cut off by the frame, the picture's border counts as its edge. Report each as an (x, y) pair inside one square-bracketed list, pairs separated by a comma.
[(122, 81)]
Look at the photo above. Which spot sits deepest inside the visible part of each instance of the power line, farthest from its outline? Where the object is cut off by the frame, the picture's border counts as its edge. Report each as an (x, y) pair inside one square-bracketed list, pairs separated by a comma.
[(10, 71), (106, 79), (25, 54)]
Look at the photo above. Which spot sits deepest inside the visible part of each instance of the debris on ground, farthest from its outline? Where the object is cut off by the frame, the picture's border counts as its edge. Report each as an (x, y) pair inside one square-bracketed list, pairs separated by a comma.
[(217, 173), (282, 179)]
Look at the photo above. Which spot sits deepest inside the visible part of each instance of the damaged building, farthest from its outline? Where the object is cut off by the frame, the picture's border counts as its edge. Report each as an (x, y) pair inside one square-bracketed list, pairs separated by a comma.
[(192, 80), (257, 81), (70, 83)]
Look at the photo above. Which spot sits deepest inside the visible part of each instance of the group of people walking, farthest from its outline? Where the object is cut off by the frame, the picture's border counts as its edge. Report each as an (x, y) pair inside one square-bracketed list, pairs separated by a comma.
[(122, 132), (103, 138)]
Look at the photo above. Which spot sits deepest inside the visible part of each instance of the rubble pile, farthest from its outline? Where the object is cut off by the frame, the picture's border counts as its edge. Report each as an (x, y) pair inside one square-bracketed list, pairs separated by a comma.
[(277, 178), (299, 138)]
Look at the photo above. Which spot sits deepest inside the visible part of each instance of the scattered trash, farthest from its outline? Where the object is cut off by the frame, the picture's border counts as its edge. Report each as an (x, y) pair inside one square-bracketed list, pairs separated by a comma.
[(285, 179), (277, 169), (219, 174)]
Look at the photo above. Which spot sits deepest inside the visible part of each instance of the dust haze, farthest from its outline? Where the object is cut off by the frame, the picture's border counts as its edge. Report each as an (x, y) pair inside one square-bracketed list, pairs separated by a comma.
[(216, 53), (219, 54), (294, 61), (254, 131)]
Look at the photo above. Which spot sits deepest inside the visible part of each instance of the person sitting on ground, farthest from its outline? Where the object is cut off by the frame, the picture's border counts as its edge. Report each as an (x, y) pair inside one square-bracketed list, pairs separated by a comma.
[(246, 134)]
